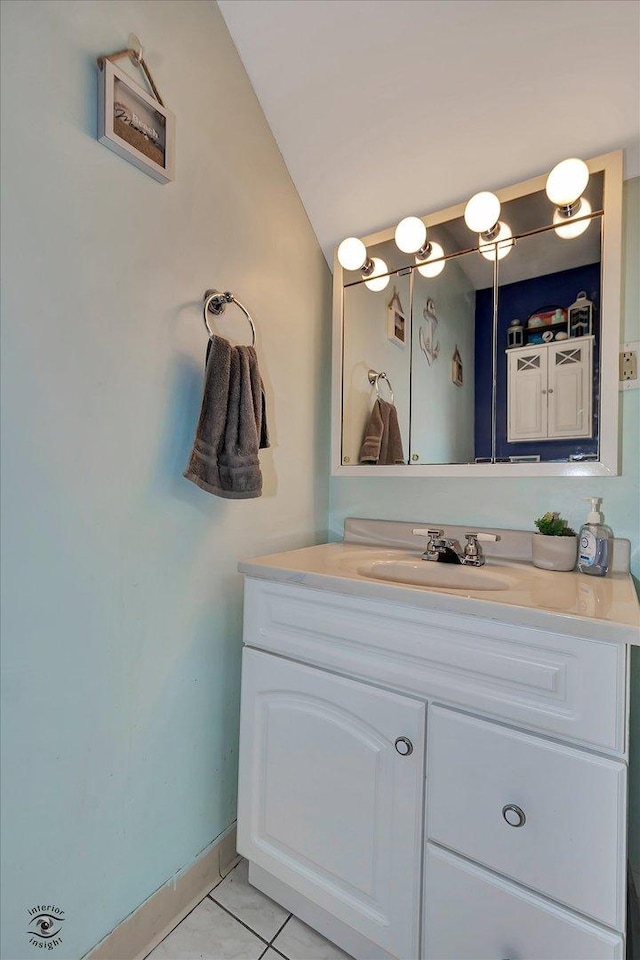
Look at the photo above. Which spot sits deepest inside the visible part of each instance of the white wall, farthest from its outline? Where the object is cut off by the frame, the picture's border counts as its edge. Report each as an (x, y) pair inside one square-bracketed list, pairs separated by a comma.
[(385, 108), (121, 631)]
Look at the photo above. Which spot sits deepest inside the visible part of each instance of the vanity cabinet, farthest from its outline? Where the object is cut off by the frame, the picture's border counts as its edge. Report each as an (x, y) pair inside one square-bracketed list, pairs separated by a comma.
[(416, 783), (549, 390)]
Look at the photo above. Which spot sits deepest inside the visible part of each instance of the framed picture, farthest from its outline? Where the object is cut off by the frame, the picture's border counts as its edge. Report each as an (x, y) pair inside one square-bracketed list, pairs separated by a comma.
[(456, 368), (396, 321), (134, 125)]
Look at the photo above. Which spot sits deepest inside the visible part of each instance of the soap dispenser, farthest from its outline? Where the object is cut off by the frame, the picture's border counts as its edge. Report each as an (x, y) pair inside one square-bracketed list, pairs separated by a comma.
[(594, 544)]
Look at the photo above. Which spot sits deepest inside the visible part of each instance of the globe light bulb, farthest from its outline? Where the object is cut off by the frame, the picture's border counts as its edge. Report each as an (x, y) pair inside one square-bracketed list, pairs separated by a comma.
[(428, 269), (411, 234), (567, 182), (566, 228), (501, 245), (482, 212), (352, 254), (375, 281)]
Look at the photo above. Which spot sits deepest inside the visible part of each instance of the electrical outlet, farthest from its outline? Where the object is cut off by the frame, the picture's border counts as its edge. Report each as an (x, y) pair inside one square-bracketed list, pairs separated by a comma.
[(629, 366)]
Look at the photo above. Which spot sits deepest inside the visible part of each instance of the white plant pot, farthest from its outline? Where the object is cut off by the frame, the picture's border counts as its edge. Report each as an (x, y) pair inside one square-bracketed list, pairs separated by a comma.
[(554, 553)]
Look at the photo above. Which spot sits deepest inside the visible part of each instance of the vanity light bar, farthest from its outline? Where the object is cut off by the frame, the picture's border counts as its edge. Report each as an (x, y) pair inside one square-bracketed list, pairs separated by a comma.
[(445, 257), (564, 187)]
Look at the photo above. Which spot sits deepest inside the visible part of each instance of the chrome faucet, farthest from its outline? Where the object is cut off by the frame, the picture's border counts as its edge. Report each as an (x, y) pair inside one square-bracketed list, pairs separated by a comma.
[(447, 550)]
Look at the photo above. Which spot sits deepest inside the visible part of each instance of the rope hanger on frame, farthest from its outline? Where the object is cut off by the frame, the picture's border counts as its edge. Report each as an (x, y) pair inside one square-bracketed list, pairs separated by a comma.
[(136, 54)]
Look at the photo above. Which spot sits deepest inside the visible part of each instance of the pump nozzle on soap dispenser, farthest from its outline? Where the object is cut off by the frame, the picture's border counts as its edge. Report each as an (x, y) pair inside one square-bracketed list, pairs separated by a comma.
[(594, 546), (594, 515)]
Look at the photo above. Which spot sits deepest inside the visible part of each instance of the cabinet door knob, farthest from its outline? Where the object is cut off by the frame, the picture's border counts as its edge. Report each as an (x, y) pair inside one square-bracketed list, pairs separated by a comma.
[(550, 389), (514, 815), (404, 746)]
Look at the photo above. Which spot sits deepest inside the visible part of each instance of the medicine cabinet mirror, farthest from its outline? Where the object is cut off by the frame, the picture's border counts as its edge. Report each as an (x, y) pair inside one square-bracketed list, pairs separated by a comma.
[(495, 366)]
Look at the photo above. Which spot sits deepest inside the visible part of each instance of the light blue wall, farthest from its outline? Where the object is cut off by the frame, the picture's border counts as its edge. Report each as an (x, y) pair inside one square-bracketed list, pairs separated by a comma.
[(121, 630), (515, 503)]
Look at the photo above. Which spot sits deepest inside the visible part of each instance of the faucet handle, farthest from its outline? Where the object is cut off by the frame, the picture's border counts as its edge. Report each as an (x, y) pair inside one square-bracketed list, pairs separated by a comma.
[(431, 550), (472, 549), (473, 552), (423, 532)]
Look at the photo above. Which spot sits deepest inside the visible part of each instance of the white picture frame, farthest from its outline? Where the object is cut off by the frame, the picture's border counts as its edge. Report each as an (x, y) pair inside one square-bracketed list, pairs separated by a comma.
[(396, 321), (134, 124)]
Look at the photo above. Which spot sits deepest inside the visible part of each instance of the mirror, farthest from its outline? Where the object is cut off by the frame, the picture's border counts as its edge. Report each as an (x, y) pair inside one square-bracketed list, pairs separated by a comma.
[(504, 368), (443, 391), (547, 391), (383, 347)]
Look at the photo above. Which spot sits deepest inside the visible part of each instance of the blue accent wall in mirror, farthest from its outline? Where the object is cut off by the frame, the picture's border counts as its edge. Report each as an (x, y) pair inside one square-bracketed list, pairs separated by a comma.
[(522, 299)]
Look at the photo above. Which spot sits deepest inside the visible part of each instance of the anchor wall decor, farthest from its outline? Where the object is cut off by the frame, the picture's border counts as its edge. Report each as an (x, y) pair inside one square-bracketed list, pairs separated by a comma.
[(427, 334)]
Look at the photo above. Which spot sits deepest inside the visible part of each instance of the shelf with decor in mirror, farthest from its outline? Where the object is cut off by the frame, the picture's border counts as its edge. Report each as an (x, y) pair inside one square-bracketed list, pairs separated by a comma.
[(545, 325)]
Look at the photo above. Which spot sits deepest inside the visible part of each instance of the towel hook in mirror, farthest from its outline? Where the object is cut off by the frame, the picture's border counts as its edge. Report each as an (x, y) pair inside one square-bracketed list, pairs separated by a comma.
[(215, 302), (374, 380)]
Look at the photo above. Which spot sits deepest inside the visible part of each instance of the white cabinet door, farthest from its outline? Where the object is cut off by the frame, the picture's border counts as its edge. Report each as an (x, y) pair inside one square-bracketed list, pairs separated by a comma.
[(327, 803), (527, 395), (569, 389), (477, 915), (549, 391)]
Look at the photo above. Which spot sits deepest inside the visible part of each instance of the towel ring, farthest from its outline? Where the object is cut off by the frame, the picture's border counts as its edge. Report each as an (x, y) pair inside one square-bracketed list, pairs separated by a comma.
[(375, 378), (215, 302)]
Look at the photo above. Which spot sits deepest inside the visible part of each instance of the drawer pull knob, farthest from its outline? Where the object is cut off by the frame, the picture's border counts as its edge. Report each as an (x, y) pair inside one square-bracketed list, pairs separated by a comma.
[(514, 815), (404, 746)]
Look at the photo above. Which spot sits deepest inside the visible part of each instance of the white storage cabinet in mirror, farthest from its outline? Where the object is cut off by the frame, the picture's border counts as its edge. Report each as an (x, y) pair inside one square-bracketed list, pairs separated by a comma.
[(497, 351)]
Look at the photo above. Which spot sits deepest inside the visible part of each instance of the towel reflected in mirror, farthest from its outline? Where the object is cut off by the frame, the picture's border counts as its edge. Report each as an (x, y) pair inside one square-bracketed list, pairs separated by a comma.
[(382, 443)]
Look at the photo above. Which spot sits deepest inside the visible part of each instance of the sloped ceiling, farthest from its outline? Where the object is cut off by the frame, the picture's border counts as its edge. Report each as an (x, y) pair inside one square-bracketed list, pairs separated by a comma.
[(384, 108)]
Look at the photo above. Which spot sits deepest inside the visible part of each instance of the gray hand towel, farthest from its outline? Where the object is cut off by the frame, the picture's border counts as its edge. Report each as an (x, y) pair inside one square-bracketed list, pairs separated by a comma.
[(232, 426), (382, 442)]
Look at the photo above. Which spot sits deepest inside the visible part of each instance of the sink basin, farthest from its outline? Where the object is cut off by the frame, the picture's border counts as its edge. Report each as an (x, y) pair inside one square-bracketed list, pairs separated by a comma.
[(422, 573)]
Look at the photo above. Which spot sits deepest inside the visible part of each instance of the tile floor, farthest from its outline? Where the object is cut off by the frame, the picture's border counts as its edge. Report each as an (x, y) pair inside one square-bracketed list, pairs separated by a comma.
[(237, 922)]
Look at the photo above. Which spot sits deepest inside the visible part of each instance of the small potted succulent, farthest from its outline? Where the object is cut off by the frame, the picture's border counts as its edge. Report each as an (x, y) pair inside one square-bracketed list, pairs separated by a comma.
[(555, 547)]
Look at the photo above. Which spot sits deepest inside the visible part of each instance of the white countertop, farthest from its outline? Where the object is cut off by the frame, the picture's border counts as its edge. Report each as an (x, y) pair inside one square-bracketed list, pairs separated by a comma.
[(598, 608)]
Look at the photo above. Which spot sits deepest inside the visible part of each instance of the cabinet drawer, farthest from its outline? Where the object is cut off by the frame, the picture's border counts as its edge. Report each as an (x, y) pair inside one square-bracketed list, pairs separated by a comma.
[(473, 914), (571, 845), (568, 686)]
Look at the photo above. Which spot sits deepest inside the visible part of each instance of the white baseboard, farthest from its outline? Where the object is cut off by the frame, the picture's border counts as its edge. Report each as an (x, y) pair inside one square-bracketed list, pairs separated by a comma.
[(136, 936)]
